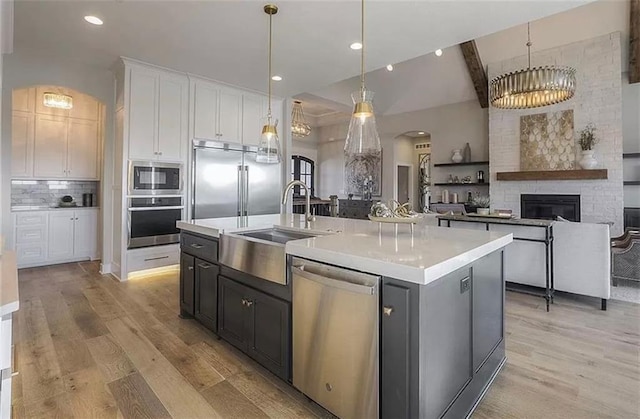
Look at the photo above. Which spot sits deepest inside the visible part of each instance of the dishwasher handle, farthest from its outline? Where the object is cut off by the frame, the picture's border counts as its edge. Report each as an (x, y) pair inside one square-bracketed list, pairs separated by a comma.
[(335, 283)]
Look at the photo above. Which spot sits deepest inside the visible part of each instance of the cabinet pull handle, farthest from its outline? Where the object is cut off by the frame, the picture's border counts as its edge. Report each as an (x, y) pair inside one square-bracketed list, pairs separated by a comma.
[(161, 257), (249, 303), (197, 246), (71, 219), (387, 310), (204, 265), (244, 302)]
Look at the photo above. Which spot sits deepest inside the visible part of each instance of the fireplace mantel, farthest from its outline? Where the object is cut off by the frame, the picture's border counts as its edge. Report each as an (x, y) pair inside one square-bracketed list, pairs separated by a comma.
[(554, 175)]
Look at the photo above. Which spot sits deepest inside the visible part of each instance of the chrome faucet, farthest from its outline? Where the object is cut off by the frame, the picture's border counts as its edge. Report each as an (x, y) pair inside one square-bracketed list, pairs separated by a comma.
[(307, 206)]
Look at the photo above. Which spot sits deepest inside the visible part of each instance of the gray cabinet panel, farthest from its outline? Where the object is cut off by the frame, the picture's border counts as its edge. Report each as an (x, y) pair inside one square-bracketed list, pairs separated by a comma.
[(487, 307), (206, 301), (447, 351), (270, 340), (395, 353), (200, 247), (231, 312), (187, 284)]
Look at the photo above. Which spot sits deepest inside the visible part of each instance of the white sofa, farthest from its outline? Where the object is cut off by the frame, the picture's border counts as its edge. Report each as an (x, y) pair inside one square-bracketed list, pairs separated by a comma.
[(582, 257)]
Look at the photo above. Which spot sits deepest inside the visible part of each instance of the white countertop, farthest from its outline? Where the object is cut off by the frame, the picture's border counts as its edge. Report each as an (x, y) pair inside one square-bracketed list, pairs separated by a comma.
[(21, 208), (431, 253), (9, 301)]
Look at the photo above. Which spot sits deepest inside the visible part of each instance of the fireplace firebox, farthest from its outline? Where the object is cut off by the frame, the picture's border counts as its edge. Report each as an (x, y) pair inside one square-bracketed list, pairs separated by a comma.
[(549, 207)]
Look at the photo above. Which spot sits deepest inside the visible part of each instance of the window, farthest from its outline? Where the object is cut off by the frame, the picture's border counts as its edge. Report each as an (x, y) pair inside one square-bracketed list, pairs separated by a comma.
[(302, 169)]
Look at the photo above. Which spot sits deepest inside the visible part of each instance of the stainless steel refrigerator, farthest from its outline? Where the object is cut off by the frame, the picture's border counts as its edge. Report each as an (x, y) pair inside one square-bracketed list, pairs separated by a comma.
[(228, 182)]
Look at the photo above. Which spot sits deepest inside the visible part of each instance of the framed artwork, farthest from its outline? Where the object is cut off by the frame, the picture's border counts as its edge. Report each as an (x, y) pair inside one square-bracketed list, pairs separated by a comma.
[(547, 141), (357, 170)]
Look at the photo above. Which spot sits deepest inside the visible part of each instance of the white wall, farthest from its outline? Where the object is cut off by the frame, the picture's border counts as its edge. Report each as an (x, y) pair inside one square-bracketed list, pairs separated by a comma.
[(598, 100), (631, 139), (28, 68)]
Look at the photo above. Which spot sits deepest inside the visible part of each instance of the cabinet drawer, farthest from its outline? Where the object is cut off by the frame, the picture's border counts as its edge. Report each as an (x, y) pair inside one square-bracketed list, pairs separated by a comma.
[(31, 253), (5, 341), (141, 259), (31, 218), (200, 247), (31, 234)]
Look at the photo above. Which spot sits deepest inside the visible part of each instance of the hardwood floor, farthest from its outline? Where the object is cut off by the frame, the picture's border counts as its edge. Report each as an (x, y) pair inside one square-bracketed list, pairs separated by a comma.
[(89, 346)]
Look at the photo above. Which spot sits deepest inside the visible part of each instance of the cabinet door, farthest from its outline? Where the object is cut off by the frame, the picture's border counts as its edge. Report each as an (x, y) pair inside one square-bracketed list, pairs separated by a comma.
[(270, 331), (85, 236), (23, 99), (252, 115), (61, 235), (50, 148), (172, 118), (143, 99), (187, 284), (395, 352), (84, 107), (84, 144), (229, 121), (22, 125), (232, 324), (205, 111), (206, 304)]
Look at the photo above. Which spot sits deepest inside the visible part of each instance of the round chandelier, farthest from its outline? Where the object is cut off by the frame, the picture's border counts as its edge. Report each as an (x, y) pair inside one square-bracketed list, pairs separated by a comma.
[(532, 87), (299, 127)]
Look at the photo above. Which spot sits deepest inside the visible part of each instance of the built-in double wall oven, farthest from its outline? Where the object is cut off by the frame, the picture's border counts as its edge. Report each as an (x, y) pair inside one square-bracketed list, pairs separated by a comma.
[(155, 203)]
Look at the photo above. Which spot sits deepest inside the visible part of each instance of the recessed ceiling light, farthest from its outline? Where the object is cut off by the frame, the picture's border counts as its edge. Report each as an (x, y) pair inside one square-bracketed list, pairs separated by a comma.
[(439, 52), (276, 78), (356, 46), (94, 20), (420, 132), (389, 67)]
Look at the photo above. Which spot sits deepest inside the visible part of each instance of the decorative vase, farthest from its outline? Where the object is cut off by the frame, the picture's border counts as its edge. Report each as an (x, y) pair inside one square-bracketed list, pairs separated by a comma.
[(457, 157), (587, 161), (466, 154), (482, 211)]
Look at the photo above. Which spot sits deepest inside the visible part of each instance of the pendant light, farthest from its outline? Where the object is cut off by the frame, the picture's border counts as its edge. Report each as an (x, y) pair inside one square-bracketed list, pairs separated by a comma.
[(269, 147), (299, 127), (533, 87), (362, 137)]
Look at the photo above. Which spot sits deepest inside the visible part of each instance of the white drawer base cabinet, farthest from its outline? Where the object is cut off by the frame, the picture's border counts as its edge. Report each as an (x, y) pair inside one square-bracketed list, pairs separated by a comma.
[(56, 236)]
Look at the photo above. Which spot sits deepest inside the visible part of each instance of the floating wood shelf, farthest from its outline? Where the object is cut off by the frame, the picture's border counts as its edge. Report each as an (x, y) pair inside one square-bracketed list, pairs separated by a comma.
[(631, 182), (631, 155), (470, 163), (461, 184), (554, 175)]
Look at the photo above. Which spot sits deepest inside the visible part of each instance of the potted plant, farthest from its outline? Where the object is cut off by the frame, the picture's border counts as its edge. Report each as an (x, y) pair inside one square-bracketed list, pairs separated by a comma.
[(483, 203), (587, 141)]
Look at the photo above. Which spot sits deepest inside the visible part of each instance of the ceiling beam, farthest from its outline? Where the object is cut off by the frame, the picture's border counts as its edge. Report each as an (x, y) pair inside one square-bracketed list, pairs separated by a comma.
[(634, 42), (476, 71)]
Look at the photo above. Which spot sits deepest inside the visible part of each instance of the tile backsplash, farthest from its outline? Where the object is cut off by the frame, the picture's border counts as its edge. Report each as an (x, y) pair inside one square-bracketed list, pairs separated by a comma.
[(49, 192)]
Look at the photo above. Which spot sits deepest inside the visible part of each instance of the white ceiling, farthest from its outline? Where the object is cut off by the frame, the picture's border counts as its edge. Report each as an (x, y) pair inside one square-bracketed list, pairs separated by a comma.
[(429, 81), (226, 40)]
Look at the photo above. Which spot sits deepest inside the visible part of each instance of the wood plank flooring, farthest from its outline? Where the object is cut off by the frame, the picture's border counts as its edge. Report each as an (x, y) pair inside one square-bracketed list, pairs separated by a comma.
[(88, 346)]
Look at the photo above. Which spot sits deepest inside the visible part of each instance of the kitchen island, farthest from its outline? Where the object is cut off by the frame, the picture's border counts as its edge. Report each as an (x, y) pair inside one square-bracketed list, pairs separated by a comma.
[(366, 323)]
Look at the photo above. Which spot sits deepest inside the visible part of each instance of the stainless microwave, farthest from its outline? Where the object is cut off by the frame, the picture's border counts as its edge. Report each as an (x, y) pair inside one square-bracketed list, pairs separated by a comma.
[(155, 178)]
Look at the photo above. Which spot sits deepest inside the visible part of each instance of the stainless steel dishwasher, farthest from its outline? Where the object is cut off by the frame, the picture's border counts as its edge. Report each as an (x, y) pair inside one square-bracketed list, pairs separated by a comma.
[(335, 338)]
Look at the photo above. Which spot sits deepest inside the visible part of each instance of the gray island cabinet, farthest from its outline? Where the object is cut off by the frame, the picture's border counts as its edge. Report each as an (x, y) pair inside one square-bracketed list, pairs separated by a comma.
[(442, 343), (426, 321)]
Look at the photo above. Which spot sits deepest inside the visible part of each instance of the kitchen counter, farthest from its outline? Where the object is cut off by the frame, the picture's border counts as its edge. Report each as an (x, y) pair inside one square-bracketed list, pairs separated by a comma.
[(430, 254), (45, 208), (9, 301)]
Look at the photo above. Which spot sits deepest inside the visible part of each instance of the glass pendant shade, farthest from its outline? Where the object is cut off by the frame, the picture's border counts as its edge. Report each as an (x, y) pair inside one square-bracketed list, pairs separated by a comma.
[(299, 127), (269, 147), (57, 100), (362, 137)]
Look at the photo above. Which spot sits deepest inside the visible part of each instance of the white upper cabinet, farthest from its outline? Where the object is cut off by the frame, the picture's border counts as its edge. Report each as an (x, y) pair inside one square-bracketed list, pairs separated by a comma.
[(157, 115), (205, 110), (50, 157), (55, 143), (229, 115), (22, 126), (253, 113), (143, 99), (173, 108), (82, 160)]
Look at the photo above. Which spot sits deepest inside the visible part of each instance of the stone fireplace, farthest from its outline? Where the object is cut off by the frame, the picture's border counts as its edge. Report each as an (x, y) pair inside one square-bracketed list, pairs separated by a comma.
[(549, 207)]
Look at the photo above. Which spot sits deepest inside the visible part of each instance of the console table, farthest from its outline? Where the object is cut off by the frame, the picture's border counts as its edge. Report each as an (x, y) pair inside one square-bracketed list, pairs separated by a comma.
[(547, 225)]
